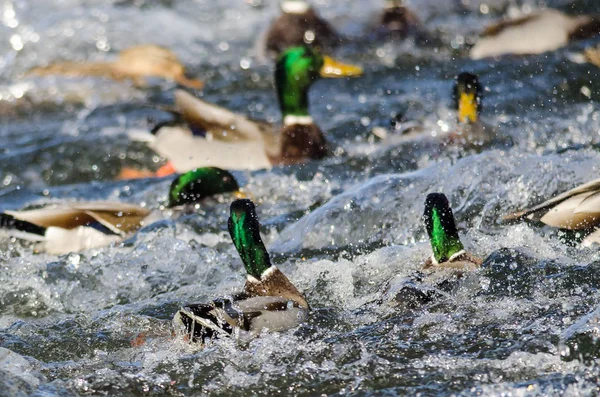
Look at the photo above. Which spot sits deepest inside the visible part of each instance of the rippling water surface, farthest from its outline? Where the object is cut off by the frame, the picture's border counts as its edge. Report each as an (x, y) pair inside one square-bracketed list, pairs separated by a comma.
[(346, 230)]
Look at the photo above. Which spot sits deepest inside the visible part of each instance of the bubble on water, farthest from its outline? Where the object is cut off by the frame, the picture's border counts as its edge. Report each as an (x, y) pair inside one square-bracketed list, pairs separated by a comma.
[(73, 261)]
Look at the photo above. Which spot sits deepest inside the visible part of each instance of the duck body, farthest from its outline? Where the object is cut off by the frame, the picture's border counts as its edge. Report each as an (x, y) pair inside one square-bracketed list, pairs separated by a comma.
[(460, 262), (546, 30), (231, 141), (269, 300), (299, 24), (433, 281), (73, 227), (271, 304), (135, 63), (60, 229), (471, 135), (468, 135), (575, 209), (234, 142), (238, 315)]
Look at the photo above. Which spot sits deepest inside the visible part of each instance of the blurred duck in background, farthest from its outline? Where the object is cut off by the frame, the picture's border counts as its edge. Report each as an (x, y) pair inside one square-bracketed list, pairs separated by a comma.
[(136, 63), (538, 32), (396, 22), (299, 24), (70, 227), (575, 209), (214, 136), (470, 131)]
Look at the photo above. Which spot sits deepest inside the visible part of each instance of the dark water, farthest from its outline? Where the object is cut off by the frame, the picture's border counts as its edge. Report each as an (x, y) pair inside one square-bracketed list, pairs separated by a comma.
[(342, 228)]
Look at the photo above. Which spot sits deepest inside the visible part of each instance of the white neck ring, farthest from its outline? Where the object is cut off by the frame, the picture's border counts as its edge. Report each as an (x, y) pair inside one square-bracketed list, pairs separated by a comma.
[(452, 257), (291, 119), (263, 276), (294, 7)]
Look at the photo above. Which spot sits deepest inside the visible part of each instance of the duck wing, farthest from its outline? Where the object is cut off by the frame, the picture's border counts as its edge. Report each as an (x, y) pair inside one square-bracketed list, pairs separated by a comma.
[(578, 208), (119, 218), (547, 30), (222, 317), (592, 238), (58, 240), (187, 152), (222, 123), (203, 321)]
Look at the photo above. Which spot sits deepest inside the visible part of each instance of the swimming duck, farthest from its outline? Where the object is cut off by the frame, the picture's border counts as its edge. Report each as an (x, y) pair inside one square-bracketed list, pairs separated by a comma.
[(575, 209), (298, 25), (64, 228), (397, 21), (545, 30), (135, 63), (269, 300), (448, 250), (449, 261), (470, 131), (234, 142)]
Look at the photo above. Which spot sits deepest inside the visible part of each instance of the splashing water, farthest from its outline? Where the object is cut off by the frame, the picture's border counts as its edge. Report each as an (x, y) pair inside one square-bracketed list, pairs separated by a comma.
[(346, 230)]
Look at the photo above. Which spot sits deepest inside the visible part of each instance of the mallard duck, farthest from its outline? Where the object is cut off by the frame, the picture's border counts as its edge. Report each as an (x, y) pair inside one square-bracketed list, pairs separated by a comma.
[(234, 142), (449, 261), (135, 63), (576, 209), (448, 250), (269, 300), (397, 21), (64, 228), (298, 25), (470, 131), (542, 31)]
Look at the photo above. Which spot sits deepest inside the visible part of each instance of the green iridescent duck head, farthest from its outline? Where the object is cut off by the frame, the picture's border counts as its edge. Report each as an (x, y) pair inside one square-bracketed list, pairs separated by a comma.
[(244, 230), (440, 226), (200, 183), (297, 68)]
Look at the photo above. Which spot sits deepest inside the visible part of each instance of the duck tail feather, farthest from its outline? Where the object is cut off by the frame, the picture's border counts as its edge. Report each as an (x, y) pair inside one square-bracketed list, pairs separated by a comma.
[(9, 222), (201, 323), (515, 217)]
